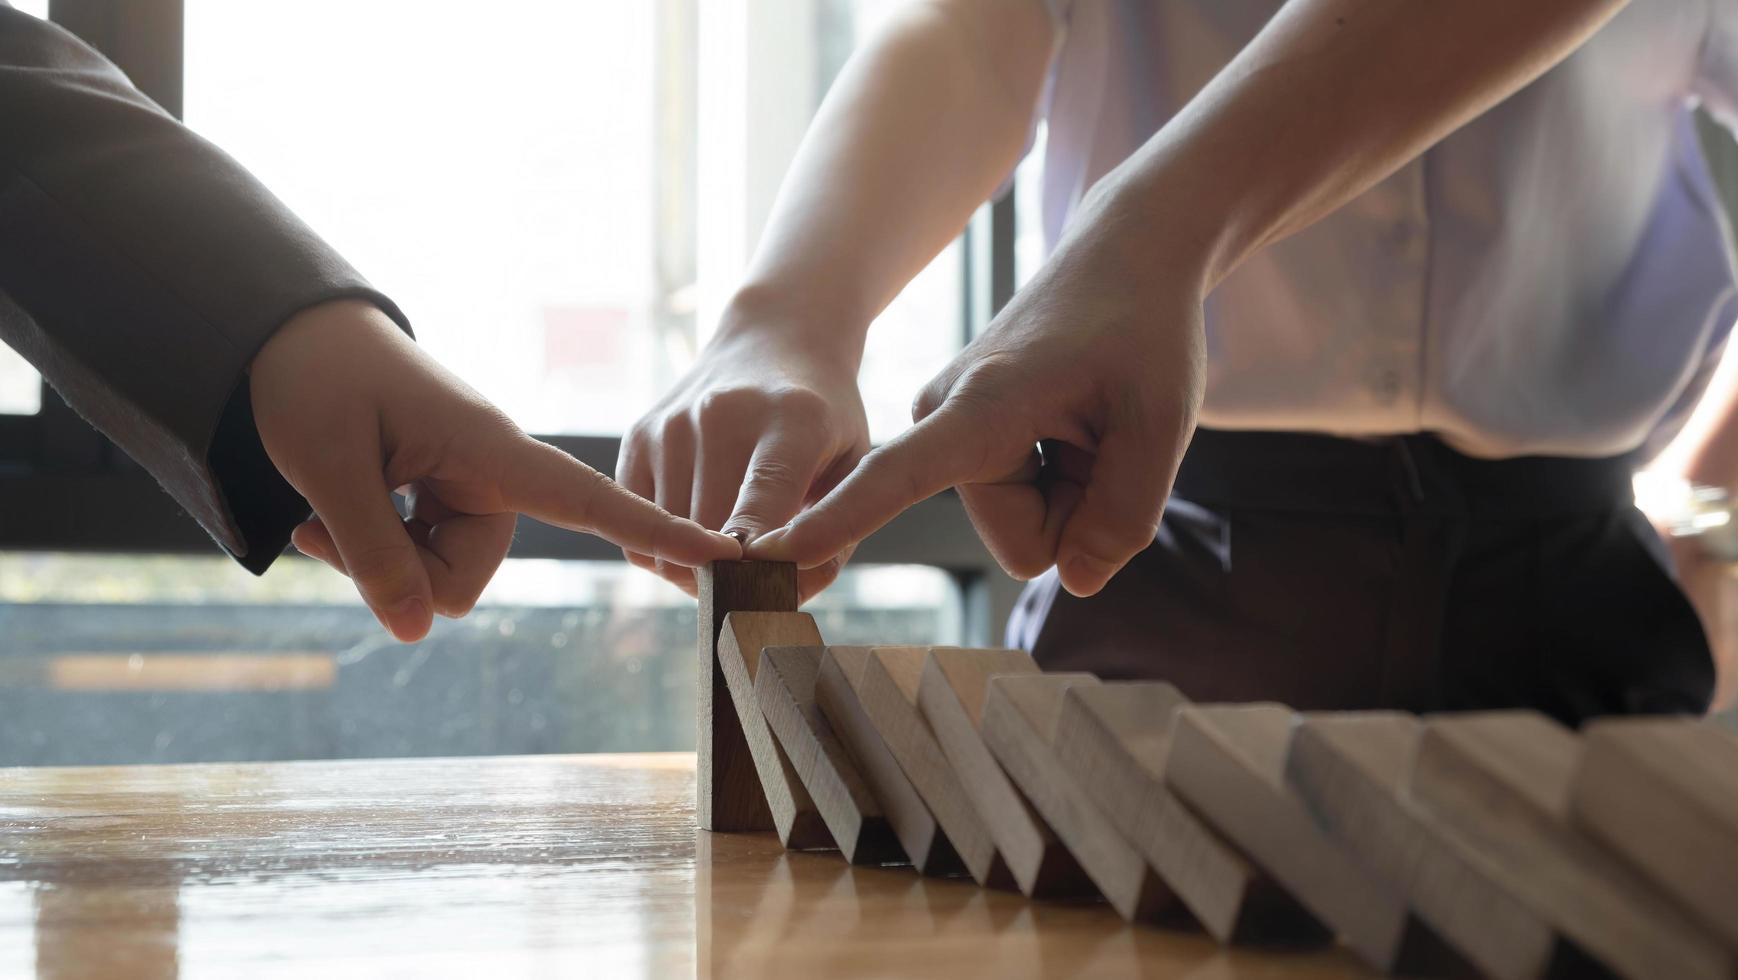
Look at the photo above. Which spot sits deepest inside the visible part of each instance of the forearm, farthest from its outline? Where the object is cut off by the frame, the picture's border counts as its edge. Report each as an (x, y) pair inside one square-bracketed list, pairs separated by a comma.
[(918, 130), (1331, 97)]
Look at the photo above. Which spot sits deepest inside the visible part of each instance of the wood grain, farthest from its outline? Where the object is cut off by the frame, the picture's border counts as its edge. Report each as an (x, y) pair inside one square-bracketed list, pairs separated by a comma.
[(1228, 762), (950, 695), (1351, 770), (740, 642), (1663, 795), (1502, 780), (1115, 739), (888, 691), (1019, 722), (727, 794), (840, 698), (784, 685), (549, 865)]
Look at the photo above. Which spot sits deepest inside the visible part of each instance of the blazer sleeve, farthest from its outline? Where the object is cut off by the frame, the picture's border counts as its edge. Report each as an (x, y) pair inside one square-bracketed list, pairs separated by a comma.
[(141, 269)]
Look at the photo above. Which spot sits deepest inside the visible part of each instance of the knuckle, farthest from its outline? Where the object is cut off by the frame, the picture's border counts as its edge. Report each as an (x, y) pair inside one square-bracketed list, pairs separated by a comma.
[(381, 568), (722, 406), (768, 473), (798, 400)]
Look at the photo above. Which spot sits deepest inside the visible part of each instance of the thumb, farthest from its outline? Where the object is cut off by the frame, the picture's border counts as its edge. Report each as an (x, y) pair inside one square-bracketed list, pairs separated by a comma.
[(778, 478), (1118, 514), (942, 450), (351, 499)]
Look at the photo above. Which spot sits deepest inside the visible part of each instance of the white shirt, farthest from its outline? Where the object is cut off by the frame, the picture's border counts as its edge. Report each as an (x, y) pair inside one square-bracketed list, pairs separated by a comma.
[(1553, 278)]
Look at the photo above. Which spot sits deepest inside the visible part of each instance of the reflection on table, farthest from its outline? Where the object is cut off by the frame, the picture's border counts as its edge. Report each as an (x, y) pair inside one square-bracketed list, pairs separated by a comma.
[(501, 865)]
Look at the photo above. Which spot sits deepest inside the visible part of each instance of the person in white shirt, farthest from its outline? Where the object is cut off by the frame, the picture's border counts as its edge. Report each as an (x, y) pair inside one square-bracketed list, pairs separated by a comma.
[(1432, 280)]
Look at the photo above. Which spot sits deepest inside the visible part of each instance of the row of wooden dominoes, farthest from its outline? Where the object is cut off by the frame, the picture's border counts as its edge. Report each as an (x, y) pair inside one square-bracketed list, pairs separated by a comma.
[(1498, 843)]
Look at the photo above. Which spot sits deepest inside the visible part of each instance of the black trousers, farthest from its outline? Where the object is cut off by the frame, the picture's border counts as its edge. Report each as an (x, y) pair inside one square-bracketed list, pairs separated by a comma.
[(1332, 573)]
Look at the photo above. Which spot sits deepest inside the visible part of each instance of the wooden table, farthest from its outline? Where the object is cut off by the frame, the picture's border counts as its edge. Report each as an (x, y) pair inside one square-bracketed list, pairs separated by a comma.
[(551, 865)]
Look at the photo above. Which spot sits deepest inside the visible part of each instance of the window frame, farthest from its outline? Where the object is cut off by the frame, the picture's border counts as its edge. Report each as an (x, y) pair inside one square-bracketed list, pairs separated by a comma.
[(82, 494)]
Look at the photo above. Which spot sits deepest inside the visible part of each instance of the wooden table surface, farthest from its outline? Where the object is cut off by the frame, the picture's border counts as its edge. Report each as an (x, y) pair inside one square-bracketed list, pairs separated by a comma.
[(547, 865)]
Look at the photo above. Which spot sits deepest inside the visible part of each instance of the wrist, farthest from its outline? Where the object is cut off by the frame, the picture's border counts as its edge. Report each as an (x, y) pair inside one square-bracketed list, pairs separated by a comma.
[(318, 323), (771, 316)]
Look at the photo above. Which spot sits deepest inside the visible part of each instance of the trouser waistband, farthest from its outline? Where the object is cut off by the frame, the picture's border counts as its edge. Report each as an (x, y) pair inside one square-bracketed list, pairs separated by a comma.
[(1410, 474)]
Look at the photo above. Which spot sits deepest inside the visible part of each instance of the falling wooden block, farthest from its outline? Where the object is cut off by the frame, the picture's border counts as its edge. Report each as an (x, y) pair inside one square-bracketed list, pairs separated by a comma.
[(1019, 722), (950, 696), (1351, 769), (1663, 794), (838, 693), (727, 794), (784, 685), (1502, 780), (1228, 762), (740, 642), (1114, 738)]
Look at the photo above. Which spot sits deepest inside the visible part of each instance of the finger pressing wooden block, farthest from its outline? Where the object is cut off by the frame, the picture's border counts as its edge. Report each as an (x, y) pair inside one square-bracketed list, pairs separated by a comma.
[(950, 696), (1020, 712), (1663, 794), (1502, 780), (1114, 738), (785, 687), (838, 691), (1351, 769), (740, 642), (1228, 762), (727, 794)]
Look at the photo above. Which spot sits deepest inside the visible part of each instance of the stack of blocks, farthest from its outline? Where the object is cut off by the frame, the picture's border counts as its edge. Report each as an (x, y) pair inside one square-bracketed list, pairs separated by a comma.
[(1497, 844)]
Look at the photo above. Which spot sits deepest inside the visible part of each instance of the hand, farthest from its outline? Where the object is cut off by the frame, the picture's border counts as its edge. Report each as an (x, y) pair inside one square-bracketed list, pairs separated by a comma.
[(763, 424), (350, 409), (1101, 360), (1703, 578)]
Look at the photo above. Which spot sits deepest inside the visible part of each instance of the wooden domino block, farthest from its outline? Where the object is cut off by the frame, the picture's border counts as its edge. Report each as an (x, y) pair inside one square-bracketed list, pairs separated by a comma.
[(727, 794), (837, 692), (1114, 738), (889, 695), (1663, 794), (1351, 769), (1019, 722), (1502, 780), (950, 696), (1228, 762), (784, 685), (740, 642)]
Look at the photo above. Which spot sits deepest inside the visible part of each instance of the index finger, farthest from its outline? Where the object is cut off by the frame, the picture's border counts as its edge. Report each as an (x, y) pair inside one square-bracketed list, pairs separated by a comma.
[(944, 449), (540, 481)]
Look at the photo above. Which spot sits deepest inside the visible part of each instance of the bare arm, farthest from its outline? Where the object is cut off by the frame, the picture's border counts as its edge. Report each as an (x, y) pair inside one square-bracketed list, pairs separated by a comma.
[(1103, 351), (920, 127)]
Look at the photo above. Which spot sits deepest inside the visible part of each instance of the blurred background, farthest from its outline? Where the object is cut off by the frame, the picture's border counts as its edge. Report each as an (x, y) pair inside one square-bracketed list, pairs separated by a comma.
[(560, 196)]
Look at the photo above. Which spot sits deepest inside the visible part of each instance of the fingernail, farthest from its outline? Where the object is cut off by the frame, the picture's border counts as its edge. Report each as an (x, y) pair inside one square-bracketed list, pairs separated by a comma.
[(408, 619), (1087, 575)]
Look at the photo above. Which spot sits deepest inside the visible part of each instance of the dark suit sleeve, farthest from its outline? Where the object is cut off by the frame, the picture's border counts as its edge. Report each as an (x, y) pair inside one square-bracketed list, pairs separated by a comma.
[(140, 270)]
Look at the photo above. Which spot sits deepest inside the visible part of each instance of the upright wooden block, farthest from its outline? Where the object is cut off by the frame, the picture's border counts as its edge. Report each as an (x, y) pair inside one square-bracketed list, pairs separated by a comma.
[(1228, 762), (950, 696), (1020, 712), (740, 642), (1351, 769), (784, 684), (1115, 738), (727, 794), (837, 691), (1663, 794), (1502, 780)]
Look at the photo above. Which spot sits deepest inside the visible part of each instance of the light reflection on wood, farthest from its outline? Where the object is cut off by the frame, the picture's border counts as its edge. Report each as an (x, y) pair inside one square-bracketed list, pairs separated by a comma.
[(443, 867)]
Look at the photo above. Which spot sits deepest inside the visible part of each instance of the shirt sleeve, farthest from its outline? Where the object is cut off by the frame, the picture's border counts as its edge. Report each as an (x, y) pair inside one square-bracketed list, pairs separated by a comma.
[(1717, 74), (141, 269)]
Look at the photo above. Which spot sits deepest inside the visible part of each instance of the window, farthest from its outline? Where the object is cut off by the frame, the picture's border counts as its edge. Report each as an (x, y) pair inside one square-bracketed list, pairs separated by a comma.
[(528, 186)]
